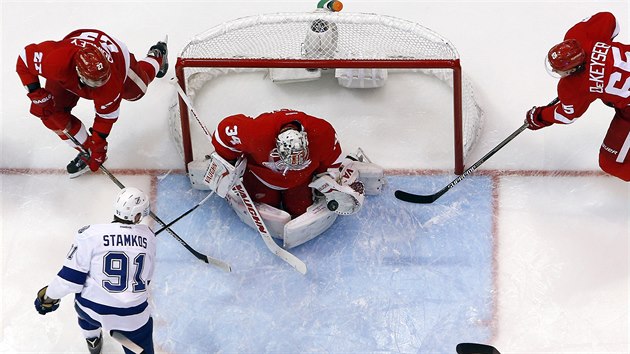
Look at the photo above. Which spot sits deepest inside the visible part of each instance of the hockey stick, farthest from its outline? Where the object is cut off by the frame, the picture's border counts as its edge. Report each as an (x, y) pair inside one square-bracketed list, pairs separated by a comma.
[(184, 214), (288, 257), (200, 256), (474, 348), (126, 342), (430, 198), (264, 231)]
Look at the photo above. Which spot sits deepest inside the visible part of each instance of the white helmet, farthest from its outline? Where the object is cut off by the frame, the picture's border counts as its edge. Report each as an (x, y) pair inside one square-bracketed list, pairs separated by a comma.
[(131, 202), (292, 146)]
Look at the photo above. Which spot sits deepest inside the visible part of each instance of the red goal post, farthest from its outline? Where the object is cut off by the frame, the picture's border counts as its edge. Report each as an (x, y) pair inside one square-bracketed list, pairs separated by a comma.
[(324, 40)]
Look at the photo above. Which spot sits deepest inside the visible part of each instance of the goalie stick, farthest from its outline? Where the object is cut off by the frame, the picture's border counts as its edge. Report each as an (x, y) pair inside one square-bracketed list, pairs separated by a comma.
[(216, 262), (430, 198), (262, 229)]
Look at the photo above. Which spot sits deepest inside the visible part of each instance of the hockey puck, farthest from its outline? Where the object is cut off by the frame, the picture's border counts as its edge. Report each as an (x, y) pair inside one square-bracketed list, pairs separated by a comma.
[(332, 205)]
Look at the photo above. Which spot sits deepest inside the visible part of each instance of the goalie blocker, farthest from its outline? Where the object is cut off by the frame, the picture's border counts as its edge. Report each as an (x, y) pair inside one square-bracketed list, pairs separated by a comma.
[(220, 175), (343, 190)]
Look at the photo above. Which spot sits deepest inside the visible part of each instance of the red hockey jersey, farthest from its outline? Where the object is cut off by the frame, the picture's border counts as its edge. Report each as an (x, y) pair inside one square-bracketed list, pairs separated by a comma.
[(256, 139), (606, 74), (53, 60)]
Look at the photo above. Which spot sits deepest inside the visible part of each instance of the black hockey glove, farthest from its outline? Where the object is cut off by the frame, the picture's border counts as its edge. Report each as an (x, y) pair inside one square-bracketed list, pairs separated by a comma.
[(44, 304)]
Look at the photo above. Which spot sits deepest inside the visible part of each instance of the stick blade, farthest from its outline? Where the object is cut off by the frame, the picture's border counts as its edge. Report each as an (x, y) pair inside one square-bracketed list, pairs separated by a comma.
[(300, 267), (286, 256), (218, 263), (215, 262), (475, 348), (416, 198)]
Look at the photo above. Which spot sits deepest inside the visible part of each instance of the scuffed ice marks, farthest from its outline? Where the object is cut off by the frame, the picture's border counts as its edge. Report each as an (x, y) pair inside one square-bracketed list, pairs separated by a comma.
[(395, 277)]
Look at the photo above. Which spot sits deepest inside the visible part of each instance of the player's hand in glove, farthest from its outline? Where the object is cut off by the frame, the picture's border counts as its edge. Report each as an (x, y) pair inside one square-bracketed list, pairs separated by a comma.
[(44, 304), (42, 103), (534, 120), (96, 146)]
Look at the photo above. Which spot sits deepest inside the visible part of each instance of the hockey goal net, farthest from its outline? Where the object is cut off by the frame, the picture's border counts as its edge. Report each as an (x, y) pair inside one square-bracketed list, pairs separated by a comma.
[(304, 47)]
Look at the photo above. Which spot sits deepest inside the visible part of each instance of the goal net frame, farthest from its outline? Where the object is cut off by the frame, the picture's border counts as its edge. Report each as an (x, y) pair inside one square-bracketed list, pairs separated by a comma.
[(212, 50)]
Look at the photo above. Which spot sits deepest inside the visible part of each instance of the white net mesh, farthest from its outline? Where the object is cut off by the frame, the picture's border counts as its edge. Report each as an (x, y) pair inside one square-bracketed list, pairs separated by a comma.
[(338, 35), (323, 36)]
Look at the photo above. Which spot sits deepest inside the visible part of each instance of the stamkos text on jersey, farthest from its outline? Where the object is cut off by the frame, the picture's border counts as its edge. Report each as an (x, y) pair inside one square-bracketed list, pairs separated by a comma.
[(125, 241), (596, 69)]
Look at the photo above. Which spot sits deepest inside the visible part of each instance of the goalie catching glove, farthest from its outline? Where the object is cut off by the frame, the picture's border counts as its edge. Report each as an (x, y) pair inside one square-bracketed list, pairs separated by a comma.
[(44, 304), (344, 195), (221, 175)]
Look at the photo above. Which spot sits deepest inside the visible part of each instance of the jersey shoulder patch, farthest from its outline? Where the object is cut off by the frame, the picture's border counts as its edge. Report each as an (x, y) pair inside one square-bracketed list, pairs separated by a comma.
[(83, 229)]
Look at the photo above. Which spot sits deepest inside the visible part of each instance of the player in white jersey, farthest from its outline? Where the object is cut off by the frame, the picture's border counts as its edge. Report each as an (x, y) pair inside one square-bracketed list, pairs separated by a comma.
[(108, 268)]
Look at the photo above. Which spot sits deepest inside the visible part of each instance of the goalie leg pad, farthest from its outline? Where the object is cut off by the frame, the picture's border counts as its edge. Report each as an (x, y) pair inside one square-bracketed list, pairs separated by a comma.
[(274, 218), (197, 171), (309, 225)]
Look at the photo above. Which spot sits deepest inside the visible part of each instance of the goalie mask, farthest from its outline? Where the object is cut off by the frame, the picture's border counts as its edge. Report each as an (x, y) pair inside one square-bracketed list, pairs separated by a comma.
[(292, 148)]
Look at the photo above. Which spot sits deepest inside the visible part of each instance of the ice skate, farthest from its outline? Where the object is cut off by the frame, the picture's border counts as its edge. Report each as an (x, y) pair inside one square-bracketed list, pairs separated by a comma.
[(95, 344), (77, 167), (160, 50)]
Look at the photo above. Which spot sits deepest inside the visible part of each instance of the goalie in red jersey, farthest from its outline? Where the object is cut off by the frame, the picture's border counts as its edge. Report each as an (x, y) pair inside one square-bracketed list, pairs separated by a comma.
[(592, 66), (292, 165), (90, 64)]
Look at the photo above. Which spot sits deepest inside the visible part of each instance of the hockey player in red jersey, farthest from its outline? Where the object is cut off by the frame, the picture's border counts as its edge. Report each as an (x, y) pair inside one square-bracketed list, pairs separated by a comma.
[(282, 158), (284, 150), (90, 64), (592, 66)]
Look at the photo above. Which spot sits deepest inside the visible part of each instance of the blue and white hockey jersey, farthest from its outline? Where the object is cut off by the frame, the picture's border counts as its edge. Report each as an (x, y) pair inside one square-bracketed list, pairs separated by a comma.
[(109, 268)]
